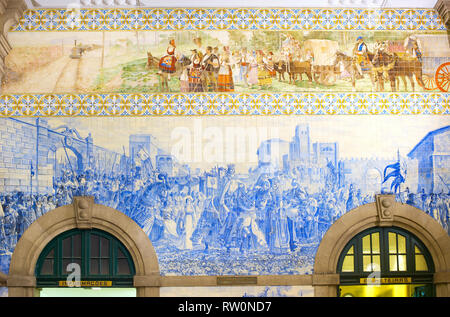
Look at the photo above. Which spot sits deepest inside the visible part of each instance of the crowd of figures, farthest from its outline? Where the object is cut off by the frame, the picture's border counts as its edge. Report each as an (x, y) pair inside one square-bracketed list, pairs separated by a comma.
[(213, 69), (271, 213)]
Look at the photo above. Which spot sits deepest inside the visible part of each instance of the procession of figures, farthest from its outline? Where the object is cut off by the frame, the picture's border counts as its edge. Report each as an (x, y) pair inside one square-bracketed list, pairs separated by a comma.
[(219, 69), (228, 61), (273, 214)]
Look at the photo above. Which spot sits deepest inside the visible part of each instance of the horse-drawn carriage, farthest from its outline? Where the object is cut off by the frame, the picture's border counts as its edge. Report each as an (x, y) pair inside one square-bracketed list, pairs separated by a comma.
[(435, 61), (324, 70)]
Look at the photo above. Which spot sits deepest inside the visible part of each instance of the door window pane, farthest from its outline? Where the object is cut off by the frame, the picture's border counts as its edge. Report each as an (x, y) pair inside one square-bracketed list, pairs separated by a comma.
[(376, 243), (393, 263), (47, 267), (105, 266), (402, 262), (392, 243), (348, 264), (376, 263), (401, 244), (95, 243), (66, 263), (76, 245), (104, 247), (366, 244), (67, 247), (421, 264), (124, 269), (350, 251), (121, 255), (367, 263), (94, 269)]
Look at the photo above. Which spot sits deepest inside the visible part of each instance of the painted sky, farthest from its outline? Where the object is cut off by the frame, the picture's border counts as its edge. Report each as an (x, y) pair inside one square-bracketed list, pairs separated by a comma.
[(358, 136)]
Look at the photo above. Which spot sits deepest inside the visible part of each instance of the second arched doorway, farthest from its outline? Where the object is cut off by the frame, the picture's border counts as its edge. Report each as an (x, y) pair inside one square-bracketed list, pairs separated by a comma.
[(382, 217), (385, 262)]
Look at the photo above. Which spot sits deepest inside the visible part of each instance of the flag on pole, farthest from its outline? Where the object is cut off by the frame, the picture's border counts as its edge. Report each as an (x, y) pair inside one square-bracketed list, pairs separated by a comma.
[(395, 173)]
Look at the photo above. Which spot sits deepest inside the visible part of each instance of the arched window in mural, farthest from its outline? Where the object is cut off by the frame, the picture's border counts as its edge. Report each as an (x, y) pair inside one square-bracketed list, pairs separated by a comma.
[(95, 254), (385, 262)]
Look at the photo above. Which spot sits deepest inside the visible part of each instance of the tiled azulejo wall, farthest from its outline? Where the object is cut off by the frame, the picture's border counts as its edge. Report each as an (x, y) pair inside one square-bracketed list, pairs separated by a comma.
[(229, 19), (224, 104), (70, 70)]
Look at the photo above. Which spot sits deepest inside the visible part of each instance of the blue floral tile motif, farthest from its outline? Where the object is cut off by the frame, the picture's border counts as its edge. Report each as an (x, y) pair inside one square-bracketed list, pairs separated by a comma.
[(229, 19)]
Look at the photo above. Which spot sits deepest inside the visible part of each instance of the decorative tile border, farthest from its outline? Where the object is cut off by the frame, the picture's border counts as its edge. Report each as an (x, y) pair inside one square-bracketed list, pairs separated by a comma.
[(127, 105), (278, 19)]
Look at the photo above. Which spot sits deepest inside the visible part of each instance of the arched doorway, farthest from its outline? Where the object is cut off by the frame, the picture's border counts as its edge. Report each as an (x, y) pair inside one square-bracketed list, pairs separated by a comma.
[(385, 262), (79, 261), (82, 220), (392, 215)]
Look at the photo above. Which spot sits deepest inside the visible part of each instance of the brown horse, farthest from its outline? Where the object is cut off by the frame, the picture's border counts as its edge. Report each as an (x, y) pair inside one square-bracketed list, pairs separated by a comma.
[(350, 65), (396, 67)]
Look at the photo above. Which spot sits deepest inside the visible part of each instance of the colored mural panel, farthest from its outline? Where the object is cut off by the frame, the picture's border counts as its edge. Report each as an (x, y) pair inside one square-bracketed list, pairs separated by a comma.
[(223, 195), (227, 61)]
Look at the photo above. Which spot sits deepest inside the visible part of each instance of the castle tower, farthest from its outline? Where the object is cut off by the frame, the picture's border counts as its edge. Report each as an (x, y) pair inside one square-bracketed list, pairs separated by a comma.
[(300, 146)]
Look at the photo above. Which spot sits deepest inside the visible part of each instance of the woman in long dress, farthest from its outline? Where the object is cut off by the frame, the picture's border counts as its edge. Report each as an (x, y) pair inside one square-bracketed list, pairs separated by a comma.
[(195, 75), (252, 75), (264, 76), (225, 78), (188, 224)]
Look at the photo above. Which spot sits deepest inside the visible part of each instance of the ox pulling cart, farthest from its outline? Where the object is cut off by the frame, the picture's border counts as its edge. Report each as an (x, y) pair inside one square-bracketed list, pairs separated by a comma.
[(324, 70)]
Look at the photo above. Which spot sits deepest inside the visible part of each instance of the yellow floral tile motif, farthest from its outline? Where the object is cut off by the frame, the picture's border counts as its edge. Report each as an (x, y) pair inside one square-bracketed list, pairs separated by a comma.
[(126, 105), (276, 19)]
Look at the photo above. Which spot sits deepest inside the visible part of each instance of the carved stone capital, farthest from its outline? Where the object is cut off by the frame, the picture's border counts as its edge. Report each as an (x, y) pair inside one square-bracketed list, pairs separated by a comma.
[(83, 207), (385, 209)]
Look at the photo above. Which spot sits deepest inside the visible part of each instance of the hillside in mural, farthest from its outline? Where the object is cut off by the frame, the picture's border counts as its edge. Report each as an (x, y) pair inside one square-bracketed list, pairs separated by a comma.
[(192, 61), (213, 202)]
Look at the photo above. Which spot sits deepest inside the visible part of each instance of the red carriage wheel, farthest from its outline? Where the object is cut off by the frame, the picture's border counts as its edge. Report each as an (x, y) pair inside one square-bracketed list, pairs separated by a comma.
[(429, 82), (442, 77)]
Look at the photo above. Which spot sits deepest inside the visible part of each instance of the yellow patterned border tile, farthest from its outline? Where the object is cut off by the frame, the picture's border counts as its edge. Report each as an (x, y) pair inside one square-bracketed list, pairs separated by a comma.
[(277, 19), (126, 105)]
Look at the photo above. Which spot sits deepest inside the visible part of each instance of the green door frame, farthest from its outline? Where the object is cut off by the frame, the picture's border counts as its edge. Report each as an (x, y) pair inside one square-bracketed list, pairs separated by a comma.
[(417, 277), (85, 259)]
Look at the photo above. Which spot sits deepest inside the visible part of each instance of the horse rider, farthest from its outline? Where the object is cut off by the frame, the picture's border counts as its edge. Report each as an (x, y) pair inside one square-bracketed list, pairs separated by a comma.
[(413, 47), (167, 62), (167, 65), (360, 53)]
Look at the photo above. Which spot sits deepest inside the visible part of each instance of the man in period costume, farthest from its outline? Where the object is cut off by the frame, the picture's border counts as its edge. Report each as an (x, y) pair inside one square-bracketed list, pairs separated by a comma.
[(210, 65), (360, 53)]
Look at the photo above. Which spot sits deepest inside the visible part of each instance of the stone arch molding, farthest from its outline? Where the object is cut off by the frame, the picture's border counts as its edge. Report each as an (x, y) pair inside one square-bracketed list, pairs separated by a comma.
[(384, 212), (83, 213)]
